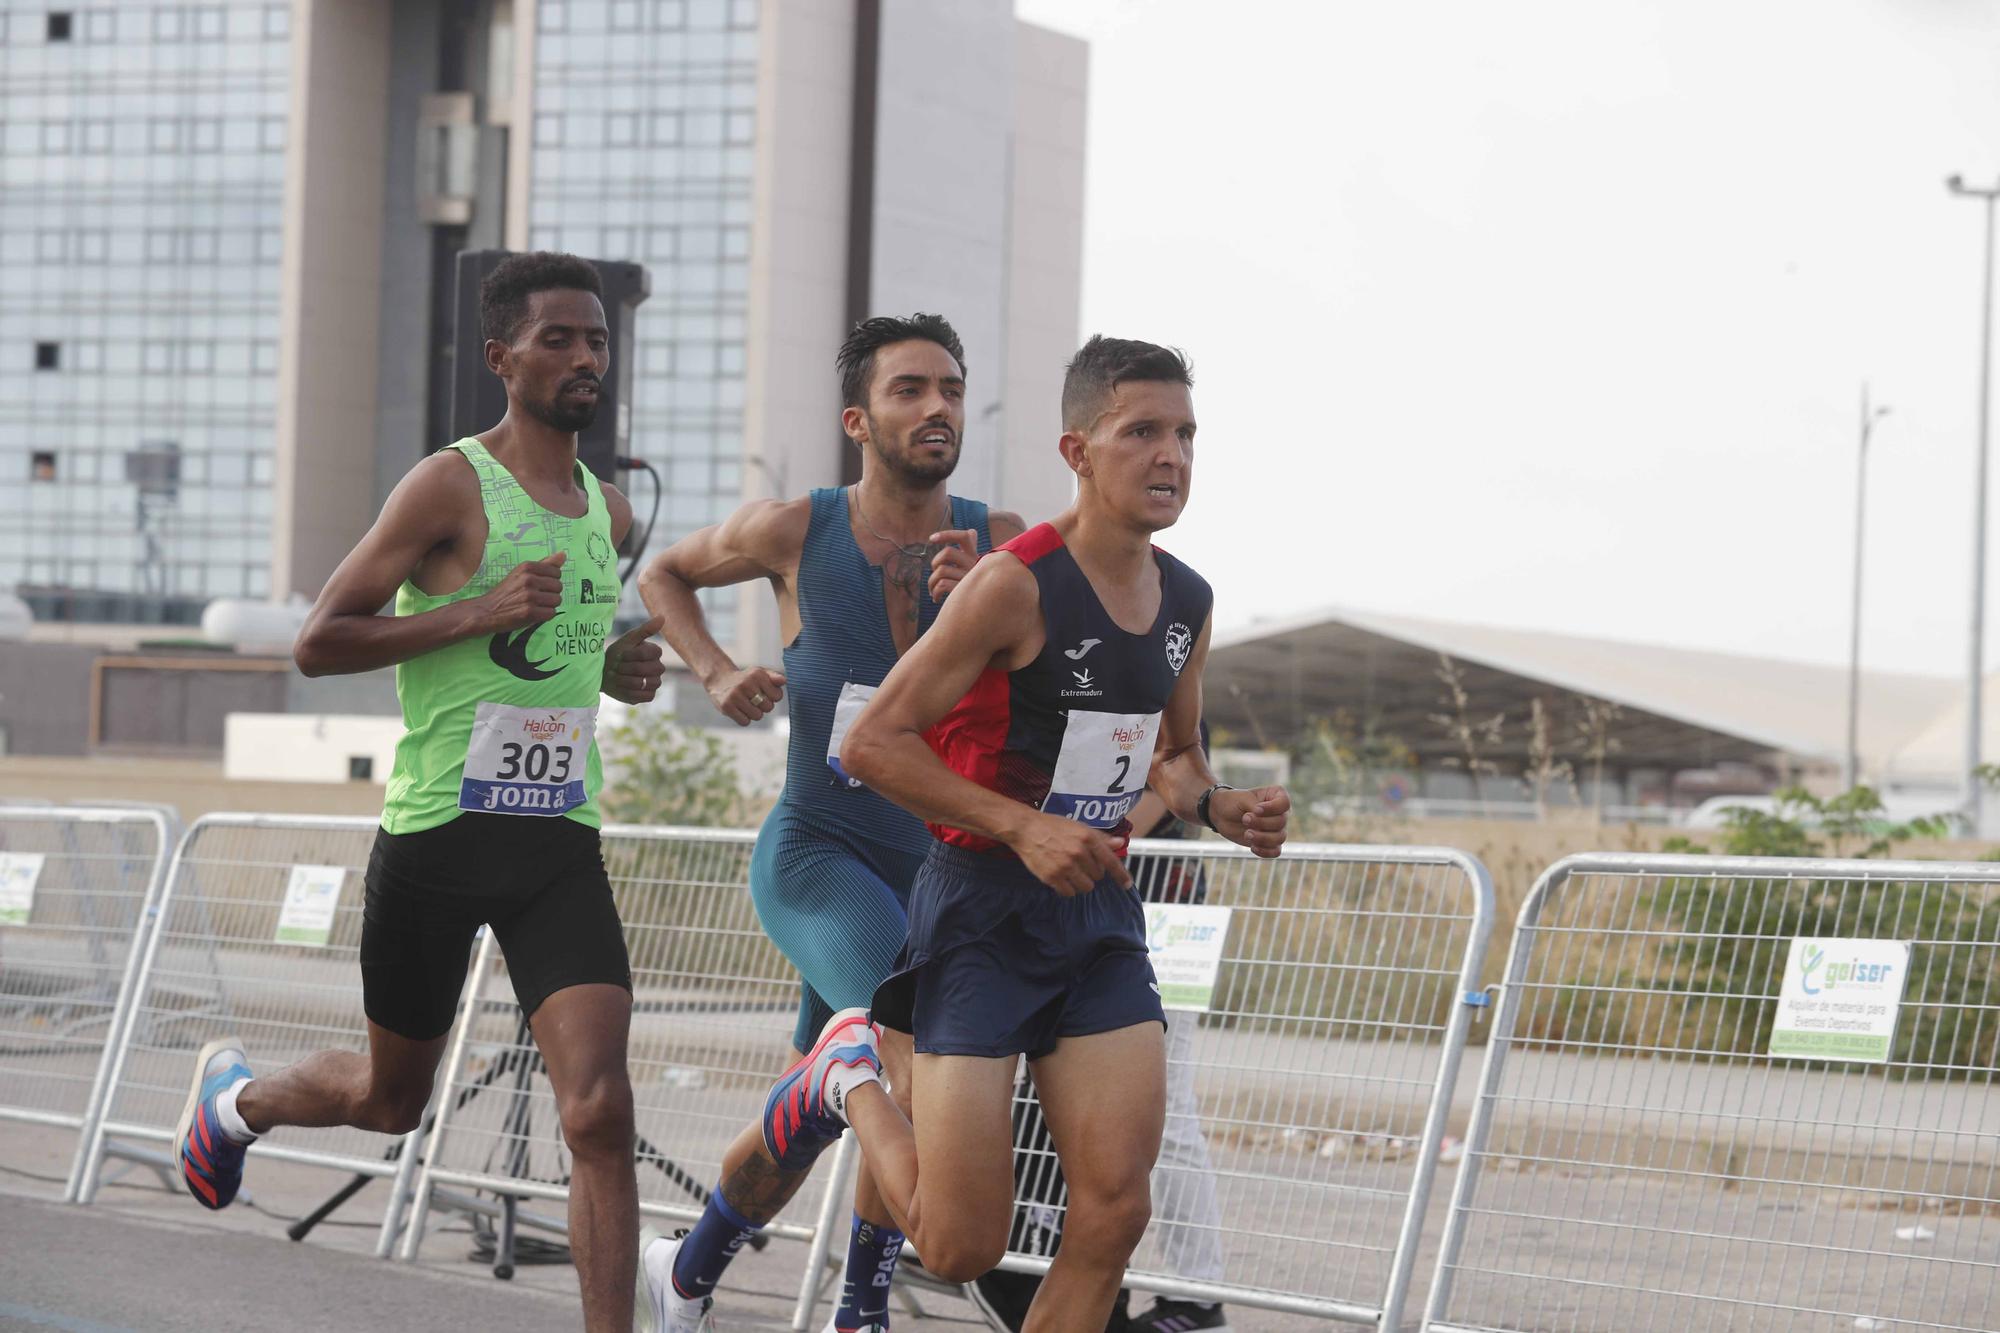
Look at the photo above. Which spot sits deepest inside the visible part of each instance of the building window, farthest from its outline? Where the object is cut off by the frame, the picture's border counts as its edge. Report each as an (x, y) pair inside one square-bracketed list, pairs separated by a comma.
[(48, 356), (360, 767), (42, 465), (59, 25)]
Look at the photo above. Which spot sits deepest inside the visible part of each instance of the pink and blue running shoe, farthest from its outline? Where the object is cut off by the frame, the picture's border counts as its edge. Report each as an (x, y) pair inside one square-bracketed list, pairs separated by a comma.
[(805, 1110), (210, 1162)]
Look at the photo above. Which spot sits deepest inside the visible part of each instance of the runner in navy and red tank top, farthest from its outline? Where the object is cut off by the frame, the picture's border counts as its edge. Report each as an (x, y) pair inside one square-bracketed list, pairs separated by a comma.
[(1087, 709), (1061, 679)]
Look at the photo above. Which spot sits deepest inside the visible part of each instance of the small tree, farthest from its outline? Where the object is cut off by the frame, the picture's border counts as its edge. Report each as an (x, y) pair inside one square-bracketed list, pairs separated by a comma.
[(1544, 768), (670, 773), (1474, 737), (1732, 933), (1596, 743), (1335, 770)]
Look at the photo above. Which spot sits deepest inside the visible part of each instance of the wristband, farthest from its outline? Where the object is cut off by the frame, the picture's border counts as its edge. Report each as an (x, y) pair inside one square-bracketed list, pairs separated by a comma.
[(1201, 805)]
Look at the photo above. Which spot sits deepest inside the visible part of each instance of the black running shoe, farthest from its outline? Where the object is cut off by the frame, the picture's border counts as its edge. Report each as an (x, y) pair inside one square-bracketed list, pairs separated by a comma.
[(1003, 1298), (1172, 1316)]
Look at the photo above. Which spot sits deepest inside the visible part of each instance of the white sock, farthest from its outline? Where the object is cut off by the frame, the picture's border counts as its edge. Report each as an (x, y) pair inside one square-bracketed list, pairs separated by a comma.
[(229, 1117), (844, 1079)]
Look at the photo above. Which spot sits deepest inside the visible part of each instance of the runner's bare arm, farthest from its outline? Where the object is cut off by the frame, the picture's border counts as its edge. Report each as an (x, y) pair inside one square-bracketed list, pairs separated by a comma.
[(761, 540), (1254, 818), (993, 620), (428, 510), (619, 510)]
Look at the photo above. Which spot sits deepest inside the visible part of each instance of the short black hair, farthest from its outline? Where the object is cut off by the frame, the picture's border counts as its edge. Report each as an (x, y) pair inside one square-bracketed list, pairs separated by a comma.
[(857, 351), (1102, 364), (503, 296)]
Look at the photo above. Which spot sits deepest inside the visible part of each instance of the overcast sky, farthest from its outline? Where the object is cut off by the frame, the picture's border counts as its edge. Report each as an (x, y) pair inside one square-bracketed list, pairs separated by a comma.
[(1556, 315)]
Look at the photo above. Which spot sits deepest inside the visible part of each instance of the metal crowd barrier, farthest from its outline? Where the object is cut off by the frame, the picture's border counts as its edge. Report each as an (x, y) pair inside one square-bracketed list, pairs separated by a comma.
[(1307, 1100), (229, 957), (714, 1004), (1307, 1105), (76, 887), (1638, 1159), (1321, 1074)]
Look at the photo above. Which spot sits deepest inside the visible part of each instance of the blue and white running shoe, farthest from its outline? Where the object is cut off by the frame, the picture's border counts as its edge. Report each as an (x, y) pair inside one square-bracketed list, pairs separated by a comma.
[(806, 1109), (210, 1162)]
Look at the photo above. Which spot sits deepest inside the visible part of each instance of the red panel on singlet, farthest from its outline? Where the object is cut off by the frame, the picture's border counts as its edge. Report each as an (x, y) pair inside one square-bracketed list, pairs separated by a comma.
[(970, 739), (973, 735)]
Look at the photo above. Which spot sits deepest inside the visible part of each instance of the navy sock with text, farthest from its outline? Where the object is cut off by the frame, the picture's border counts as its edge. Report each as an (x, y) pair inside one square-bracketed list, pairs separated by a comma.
[(707, 1250), (871, 1264)]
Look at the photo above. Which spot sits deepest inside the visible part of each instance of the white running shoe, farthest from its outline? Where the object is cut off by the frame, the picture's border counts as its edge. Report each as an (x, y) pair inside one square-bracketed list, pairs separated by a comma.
[(658, 1307)]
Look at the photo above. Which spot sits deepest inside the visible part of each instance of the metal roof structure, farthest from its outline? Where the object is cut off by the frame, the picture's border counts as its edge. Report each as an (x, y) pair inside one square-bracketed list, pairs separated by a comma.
[(1679, 708)]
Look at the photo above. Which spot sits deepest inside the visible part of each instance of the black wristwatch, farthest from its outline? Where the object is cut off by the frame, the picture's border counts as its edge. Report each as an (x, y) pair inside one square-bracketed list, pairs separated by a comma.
[(1201, 806)]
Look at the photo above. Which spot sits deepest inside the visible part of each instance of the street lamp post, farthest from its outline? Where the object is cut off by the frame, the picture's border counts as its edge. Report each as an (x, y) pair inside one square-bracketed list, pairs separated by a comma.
[(1976, 682), (1851, 770)]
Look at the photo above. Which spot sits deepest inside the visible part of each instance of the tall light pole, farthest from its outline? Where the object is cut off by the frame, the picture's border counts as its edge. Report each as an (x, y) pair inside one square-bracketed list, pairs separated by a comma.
[(1851, 770), (1976, 682)]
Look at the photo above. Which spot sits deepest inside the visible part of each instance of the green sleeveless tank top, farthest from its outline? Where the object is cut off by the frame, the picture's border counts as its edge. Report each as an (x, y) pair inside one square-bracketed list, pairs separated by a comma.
[(507, 722)]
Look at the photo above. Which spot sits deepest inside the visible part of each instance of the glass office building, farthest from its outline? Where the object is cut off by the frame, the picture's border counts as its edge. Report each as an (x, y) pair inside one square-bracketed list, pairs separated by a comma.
[(644, 130), (228, 240), (142, 175)]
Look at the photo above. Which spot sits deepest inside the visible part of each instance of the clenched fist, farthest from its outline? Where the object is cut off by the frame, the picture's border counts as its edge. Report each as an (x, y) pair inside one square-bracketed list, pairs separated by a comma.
[(1255, 818), (954, 562), (530, 594), (745, 696)]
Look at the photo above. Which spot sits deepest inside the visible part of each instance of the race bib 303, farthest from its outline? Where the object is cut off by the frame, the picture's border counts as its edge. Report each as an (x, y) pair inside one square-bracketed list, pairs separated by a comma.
[(527, 761)]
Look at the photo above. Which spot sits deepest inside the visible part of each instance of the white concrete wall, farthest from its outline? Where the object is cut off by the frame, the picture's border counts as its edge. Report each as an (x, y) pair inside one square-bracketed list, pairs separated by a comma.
[(305, 747), (330, 301), (798, 268), (944, 120), (1044, 265)]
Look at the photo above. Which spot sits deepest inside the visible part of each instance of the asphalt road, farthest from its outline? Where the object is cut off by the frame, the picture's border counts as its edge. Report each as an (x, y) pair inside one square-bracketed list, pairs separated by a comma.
[(94, 1270)]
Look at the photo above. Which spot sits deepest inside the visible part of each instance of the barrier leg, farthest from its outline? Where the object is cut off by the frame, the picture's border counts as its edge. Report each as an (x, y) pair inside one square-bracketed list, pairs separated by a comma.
[(838, 1190), (1431, 1140), (1479, 1132), (121, 1011), (419, 1208), (93, 1138)]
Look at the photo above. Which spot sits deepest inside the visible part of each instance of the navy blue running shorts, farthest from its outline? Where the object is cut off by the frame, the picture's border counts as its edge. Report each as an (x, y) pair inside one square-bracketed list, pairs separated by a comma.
[(997, 963)]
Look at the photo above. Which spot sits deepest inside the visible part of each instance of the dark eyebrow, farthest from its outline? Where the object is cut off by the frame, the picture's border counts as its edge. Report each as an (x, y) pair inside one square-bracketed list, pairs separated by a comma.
[(926, 379), (571, 328)]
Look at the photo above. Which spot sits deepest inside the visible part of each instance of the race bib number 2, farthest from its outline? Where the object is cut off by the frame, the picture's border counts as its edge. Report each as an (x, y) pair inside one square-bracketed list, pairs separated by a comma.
[(1102, 767), (527, 761)]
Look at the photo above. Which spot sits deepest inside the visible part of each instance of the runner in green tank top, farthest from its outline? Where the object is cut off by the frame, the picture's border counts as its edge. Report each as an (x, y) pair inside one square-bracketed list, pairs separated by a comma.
[(500, 554)]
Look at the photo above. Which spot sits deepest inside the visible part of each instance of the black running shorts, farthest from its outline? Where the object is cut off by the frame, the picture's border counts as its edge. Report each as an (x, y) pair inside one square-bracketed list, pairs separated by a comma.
[(539, 883)]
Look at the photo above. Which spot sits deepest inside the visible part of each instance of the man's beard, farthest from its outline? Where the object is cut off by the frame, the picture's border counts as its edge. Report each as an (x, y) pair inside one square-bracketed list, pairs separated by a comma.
[(569, 415), (907, 466)]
